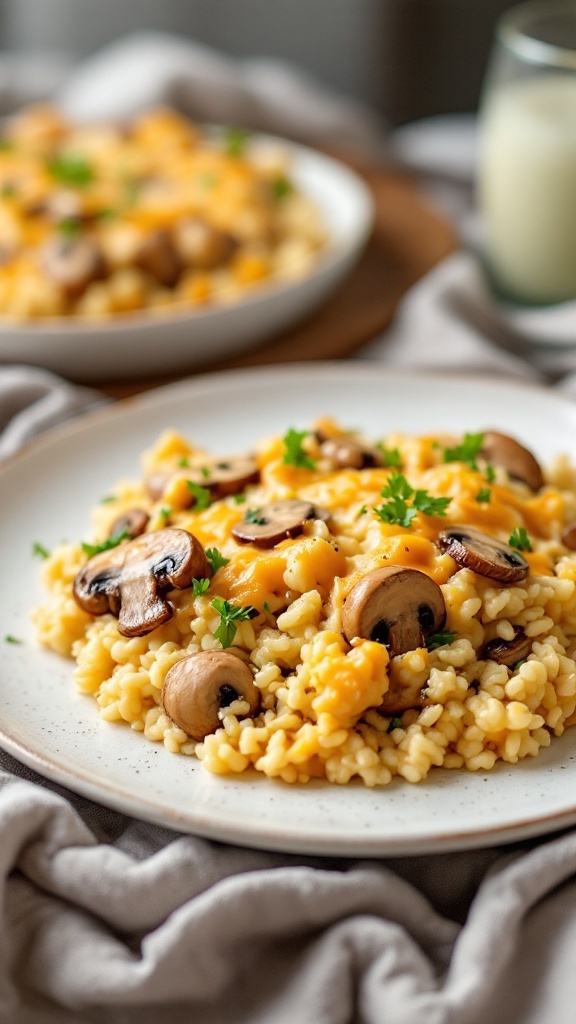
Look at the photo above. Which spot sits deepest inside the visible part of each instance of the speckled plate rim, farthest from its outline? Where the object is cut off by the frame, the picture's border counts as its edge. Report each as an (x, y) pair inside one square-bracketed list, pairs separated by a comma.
[(56, 732)]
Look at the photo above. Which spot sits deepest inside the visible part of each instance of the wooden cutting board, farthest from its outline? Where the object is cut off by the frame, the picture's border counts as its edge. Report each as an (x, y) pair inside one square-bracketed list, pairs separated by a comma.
[(409, 238)]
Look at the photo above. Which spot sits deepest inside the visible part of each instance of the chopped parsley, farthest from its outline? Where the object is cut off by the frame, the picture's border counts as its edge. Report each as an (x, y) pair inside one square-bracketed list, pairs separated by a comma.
[(397, 510), (465, 452), (39, 551), (216, 559), (109, 498), (9, 639), (200, 587), (71, 169), (205, 472), (484, 495), (201, 495), (390, 456), (239, 499), (294, 453), (253, 515), (69, 227), (165, 512), (229, 615), (439, 639), (266, 608), (235, 140), (395, 723), (519, 539), (183, 463), (490, 474), (105, 545), (280, 187)]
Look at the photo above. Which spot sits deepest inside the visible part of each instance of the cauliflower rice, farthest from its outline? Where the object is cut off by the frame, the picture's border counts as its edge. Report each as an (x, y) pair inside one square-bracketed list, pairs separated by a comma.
[(320, 693)]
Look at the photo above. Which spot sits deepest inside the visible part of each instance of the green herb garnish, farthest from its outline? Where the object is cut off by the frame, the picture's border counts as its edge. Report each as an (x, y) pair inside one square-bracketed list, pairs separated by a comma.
[(229, 615), (106, 213), (395, 723), (205, 472), (183, 463), (519, 539), (396, 509), (200, 587), (165, 512), (9, 639), (109, 498), (69, 227), (465, 452), (266, 608), (484, 495), (439, 639), (252, 515), (235, 140), (280, 187), (39, 550), (390, 456), (490, 474), (216, 559), (70, 169), (105, 545), (294, 453), (239, 499), (201, 495)]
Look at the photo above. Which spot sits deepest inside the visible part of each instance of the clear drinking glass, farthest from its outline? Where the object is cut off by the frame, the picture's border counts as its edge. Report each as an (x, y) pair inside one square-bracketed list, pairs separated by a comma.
[(527, 170)]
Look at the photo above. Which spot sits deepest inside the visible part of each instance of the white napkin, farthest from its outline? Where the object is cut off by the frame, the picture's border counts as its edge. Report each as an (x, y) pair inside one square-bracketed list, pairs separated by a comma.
[(107, 920)]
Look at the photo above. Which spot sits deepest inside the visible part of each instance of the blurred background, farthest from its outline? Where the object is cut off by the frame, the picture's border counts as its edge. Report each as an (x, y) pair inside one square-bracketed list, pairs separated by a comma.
[(407, 58)]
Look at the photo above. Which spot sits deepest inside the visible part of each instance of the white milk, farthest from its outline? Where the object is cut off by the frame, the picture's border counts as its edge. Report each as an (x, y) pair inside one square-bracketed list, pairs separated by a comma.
[(527, 187)]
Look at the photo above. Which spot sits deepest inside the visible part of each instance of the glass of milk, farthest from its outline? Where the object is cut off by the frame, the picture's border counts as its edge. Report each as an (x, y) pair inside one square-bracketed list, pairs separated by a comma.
[(527, 170)]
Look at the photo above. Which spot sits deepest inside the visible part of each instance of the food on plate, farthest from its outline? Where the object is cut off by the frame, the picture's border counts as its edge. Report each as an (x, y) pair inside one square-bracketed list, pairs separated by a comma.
[(158, 213), (326, 606)]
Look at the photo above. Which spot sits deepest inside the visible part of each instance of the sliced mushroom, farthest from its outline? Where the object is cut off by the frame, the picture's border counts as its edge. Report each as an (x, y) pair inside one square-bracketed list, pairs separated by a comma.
[(158, 256), (569, 536), (227, 476), (270, 524), (73, 263), (132, 580), (396, 606), (344, 453), (133, 523), (156, 484), (508, 652), (200, 685), (401, 696), (473, 549), (519, 463), (202, 245)]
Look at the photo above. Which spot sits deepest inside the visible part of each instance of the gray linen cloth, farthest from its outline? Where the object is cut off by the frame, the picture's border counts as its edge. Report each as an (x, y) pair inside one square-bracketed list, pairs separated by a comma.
[(109, 919)]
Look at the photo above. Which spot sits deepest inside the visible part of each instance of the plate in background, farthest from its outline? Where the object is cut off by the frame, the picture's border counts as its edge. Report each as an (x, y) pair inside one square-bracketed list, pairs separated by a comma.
[(47, 493), (141, 344)]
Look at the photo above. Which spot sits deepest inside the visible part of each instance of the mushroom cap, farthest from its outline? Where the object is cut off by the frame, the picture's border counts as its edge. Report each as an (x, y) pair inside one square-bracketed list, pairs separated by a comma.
[(159, 257), (473, 549), (273, 523), (73, 263), (221, 477), (508, 652), (134, 522), (226, 475), (343, 453), (203, 245), (396, 606), (200, 685), (132, 579), (517, 460), (569, 536)]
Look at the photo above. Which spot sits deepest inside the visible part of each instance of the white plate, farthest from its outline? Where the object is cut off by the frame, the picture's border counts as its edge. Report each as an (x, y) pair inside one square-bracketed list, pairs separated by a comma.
[(47, 493), (139, 345)]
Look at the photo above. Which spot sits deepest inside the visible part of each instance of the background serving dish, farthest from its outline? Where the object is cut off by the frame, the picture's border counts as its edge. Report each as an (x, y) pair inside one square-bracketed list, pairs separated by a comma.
[(142, 344), (47, 493)]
